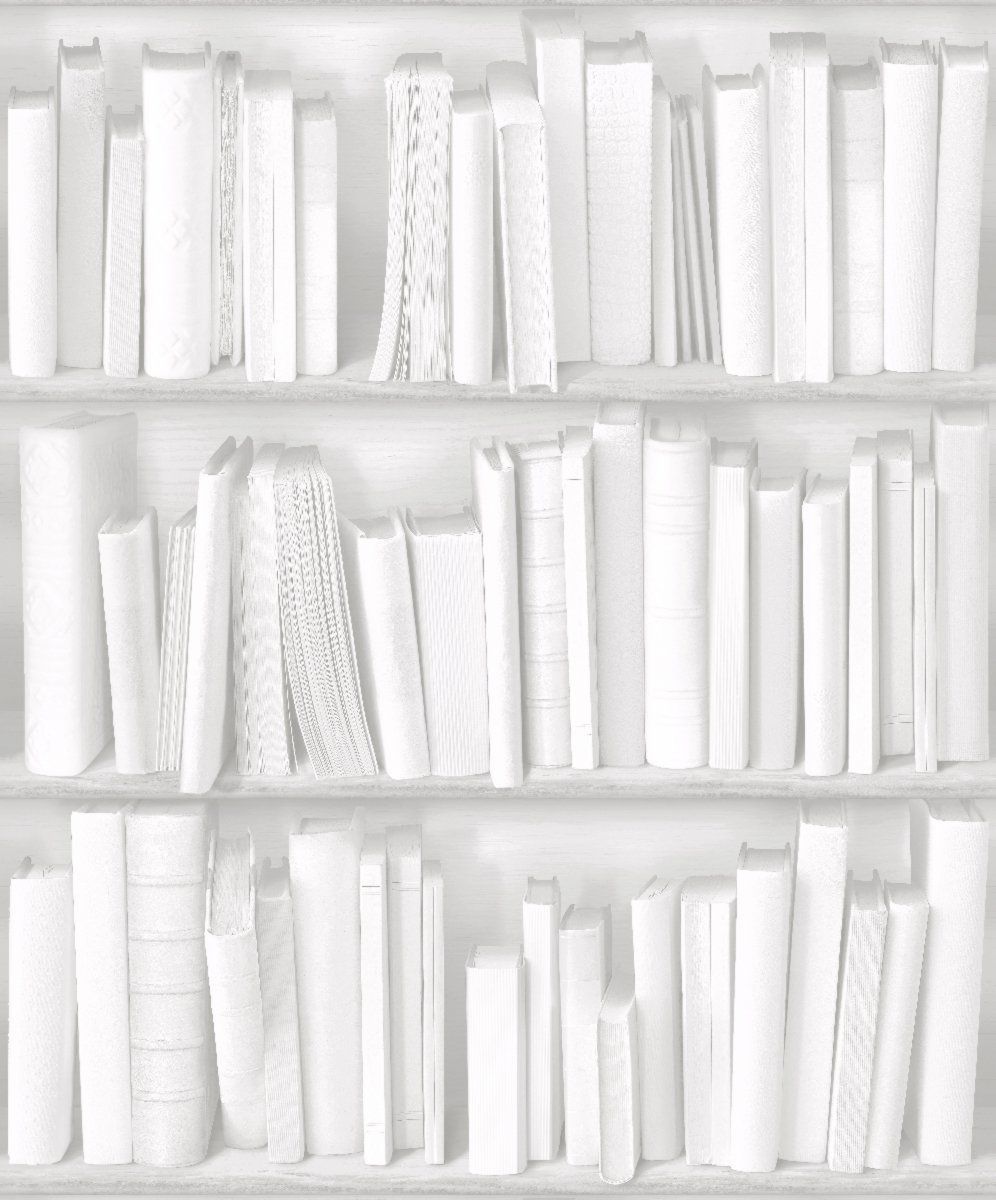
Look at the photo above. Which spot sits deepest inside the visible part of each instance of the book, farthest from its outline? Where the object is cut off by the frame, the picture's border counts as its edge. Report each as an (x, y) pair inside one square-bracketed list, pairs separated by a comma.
[(617, 436), (178, 123), (404, 917), (447, 569), (723, 920), (316, 205), (817, 914), (862, 950), (619, 1110), (924, 618), (731, 470), (32, 200), (856, 173), (129, 578), (663, 304), (577, 462), (684, 331), (122, 279), (710, 346), (496, 1061), (656, 916), (619, 139), (775, 635), (234, 981), (324, 857), (863, 717), (524, 245), (585, 969), (818, 201), (75, 472), (959, 450), (694, 339), (541, 955), (175, 640), (909, 191), (433, 1015), (546, 716), (493, 482), (788, 127), (375, 558), (949, 856), (472, 257), (226, 213), (895, 589), (41, 1014), (555, 52), (375, 1007), (100, 925)]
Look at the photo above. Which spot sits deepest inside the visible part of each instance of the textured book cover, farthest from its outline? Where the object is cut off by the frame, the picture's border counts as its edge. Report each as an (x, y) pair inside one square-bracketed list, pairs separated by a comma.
[(122, 284), (175, 636), (619, 1114)]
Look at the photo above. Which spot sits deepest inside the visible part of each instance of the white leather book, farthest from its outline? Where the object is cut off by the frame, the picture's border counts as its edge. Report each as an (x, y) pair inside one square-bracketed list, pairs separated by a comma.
[(736, 121), (541, 954), (618, 1083), (129, 577), (910, 104), (856, 168), (676, 458), (817, 913), (524, 243), (41, 1014), (764, 902), (902, 963), (496, 1061), (684, 329), (618, 481), (236, 999), (775, 619), (895, 589), (32, 201), (100, 922), (863, 719), (175, 633), (122, 278), (824, 624), (472, 255), (375, 558), (448, 586), (555, 52), (861, 955), (316, 179), (787, 123), (404, 915), (723, 921), (226, 215), (959, 450), (75, 473), (546, 715), (924, 618), (433, 1015), (662, 250), (493, 481), (949, 856), (585, 969), (819, 249), (656, 915), (961, 154), (375, 1006), (730, 473), (579, 578), (178, 122), (325, 888), (619, 139), (281, 1035)]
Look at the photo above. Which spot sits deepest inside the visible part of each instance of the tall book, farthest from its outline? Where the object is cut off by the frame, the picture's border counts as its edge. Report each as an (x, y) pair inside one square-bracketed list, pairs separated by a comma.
[(895, 589), (175, 638), (375, 1004), (472, 255), (122, 294), (316, 203), (433, 1015), (691, 319), (663, 301), (404, 917), (619, 1113), (684, 331), (863, 719), (819, 250), (787, 117), (698, 203), (578, 460), (722, 950), (541, 954), (924, 618), (226, 215)]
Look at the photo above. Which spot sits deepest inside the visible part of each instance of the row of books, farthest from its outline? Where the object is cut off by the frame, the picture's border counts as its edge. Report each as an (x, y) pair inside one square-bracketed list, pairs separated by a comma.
[(630, 592), (787, 1011), (303, 1000)]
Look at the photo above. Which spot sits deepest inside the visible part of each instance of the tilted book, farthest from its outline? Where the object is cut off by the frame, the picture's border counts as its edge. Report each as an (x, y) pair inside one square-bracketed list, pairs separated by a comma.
[(175, 636), (895, 589), (375, 1004), (122, 284), (404, 918), (924, 618), (578, 477), (663, 305), (684, 330), (226, 213), (619, 1113), (316, 180), (863, 719), (709, 348), (433, 1014), (472, 254), (541, 954)]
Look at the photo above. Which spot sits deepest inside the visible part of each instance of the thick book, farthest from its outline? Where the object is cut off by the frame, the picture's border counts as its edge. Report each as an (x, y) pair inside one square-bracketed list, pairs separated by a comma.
[(787, 119), (619, 1114), (472, 255), (375, 1004), (895, 589), (663, 300), (226, 213), (578, 462), (404, 918), (316, 204), (175, 636), (122, 282), (924, 618), (541, 954), (433, 1015), (818, 201), (863, 719)]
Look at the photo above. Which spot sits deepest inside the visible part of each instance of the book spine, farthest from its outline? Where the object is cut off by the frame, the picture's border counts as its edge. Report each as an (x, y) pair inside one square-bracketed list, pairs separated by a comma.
[(583, 975), (540, 948), (863, 718), (696, 1029), (924, 618), (704, 207), (472, 245), (722, 939), (404, 915), (663, 303), (496, 1071), (895, 587), (226, 216), (787, 124), (693, 231), (819, 250), (619, 1090), (122, 296), (316, 180), (684, 329), (433, 1016), (378, 1123), (173, 663), (579, 581)]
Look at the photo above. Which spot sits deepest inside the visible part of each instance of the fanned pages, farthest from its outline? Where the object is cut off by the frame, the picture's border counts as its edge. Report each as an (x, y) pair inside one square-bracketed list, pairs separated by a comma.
[(662, 251), (175, 639), (618, 1083), (123, 245), (895, 589), (541, 953), (787, 116), (433, 1015), (579, 577), (863, 720), (375, 1007), (924, 618), (316, 179), (819, 250), (404, 915), (226, 218), (472, 257)]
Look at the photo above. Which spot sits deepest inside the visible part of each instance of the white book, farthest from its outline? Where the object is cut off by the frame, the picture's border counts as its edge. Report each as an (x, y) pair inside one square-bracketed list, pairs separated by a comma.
[(32, 201), (618, 483), (787, 121), (433, 1015), (722, 948), (949, 856), (493, 482), (895, 589), (325, 888), (861, 956), (696, 341), (656, 915), (684, 330), (226, 216), (662, 250), (730, 473), (404, 915), (585, 968), (316, 180), (129, 577), (711, 350), (178, 123), (902, 963), (817, 913), (619, 137), (619, 1110), (375, 1005), (175, 634), (775, 619), (541, 954), (41, 1015), (122, 294), (496, 1061), (959, 450), (910, 104), (924, 618), (578, 463), (863, 720), (100, 922), (472, 256), (819, 249)]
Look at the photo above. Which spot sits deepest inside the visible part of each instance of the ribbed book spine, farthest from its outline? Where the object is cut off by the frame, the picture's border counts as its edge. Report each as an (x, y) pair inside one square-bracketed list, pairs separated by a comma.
[(579, 580), (404, 916), (472, 255), (895, 589), (924, 618), (540, 949), (378, 1121), (226, 216), (433, 1015), (618, 1083), (123, 253), (316, 178), (863, 719)]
